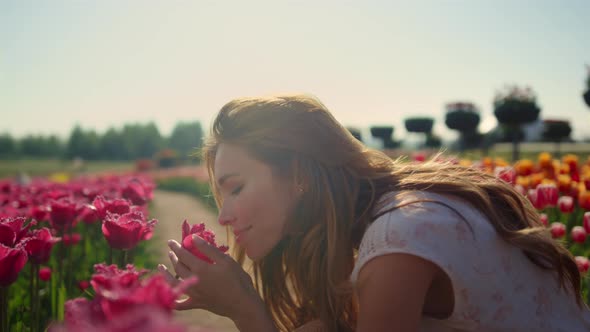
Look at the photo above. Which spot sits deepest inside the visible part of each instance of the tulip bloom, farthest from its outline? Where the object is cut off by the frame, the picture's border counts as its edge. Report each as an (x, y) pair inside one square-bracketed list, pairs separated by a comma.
[(507, 174), (125, 231), (137, 192), (547, 195), (62, 213), (557, 230), (544, 219), (566, 204), (584, 199), (586, 222), (39, 245), (117, 206), (45, 274), (578, 234), (583, 264), (12, 261), (199, 230)]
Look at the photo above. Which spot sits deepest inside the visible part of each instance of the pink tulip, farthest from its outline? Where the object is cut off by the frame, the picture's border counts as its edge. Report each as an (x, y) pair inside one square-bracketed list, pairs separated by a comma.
[(578, 234), (534, 199), (39, 244), (583, 264), (125, 231), (116, 206), (45, 274), (557, 230), (507, 174), (199, 230), (137, 192), (547, 195), (12, 261), (544, 219), (62, 213), (83, 285), (566, 204)]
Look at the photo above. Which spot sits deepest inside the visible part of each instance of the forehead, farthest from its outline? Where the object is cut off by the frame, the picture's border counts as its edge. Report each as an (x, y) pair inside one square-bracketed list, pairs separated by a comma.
[(232, 158)]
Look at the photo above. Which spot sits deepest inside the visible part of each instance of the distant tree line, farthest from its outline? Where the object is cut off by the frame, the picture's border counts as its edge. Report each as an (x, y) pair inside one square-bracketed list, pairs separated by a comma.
[(131, 142)]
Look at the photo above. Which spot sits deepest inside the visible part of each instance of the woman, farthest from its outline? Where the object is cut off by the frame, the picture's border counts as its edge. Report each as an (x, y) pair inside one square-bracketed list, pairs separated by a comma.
[(342, 238)]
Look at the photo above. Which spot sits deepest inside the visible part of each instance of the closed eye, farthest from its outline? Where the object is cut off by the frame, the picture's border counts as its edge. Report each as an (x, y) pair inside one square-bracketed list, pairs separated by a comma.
[(237, 190)]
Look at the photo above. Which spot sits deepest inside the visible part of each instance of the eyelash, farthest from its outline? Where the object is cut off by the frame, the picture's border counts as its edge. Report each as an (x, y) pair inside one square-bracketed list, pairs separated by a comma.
[(237, 190)]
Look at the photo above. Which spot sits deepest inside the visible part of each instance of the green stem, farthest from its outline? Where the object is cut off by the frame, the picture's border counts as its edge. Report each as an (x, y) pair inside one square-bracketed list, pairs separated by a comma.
[(4, 308)]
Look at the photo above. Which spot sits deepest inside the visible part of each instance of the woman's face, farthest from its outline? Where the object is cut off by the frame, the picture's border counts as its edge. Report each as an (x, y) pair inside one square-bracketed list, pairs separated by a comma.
[(256, 202)]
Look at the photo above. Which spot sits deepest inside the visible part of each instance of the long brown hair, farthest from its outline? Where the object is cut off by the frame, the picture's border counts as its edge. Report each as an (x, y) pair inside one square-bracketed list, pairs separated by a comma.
[(306, 276)]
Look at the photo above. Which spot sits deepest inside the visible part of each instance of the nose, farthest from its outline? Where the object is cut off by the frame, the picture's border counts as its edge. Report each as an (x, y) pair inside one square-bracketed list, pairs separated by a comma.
[(225, 218)]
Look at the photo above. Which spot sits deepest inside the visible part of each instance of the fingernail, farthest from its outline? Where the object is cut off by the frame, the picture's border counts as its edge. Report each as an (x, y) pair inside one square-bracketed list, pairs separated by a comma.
[(170, 254), (173, 244), (198, 240), (161, 267)]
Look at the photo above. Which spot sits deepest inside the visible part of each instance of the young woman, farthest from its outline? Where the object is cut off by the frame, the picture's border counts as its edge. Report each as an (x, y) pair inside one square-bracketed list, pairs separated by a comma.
[(342, 238)]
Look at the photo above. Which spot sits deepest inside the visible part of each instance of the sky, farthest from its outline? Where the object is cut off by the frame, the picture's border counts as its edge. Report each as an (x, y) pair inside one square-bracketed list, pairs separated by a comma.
[(102, 64)]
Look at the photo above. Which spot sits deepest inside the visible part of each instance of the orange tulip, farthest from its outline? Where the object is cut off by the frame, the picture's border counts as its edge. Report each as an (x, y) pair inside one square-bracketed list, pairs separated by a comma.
[(545, 160), (524, 167), (564, 183), (584, 200)]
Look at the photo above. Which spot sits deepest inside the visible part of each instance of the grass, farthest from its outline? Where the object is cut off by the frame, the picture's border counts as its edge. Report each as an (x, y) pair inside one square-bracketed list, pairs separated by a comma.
[(45, 167)]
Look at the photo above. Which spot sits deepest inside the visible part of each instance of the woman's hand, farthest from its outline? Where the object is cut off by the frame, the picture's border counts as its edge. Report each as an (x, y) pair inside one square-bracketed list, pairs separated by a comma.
[(223, 288)]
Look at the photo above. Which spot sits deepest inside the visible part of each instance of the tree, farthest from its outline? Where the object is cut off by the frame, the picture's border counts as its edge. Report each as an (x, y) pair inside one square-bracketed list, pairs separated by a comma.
[(112, 146), (385, 134), (8, 147), (186, 138), (464, 118), (556, 131), (82, 144), (586, 94), (513, 108), (355, 132), (424, 126)]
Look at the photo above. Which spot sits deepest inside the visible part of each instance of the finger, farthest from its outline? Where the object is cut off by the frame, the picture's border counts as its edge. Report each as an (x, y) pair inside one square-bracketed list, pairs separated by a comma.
[(167, 275), (180, 269), (186, 304), (207, 249), (185, 257)]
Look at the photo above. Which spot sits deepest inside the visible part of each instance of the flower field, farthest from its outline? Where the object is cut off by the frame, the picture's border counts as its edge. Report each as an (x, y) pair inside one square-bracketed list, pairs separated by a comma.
[(73, 255)]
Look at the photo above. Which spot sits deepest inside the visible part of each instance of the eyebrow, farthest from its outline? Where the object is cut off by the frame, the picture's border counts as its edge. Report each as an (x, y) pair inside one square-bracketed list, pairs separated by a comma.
[(222, 179)]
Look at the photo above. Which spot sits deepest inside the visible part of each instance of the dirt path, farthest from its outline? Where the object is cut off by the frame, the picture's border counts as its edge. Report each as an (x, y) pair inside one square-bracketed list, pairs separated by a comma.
[(171, 209)]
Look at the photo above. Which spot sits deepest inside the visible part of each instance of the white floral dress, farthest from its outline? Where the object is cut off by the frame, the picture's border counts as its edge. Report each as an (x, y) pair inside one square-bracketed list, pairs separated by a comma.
[(496, 287)]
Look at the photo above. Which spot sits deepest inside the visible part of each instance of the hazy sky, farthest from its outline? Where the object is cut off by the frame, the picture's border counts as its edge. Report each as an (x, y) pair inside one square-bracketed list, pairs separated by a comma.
[(105, 63)]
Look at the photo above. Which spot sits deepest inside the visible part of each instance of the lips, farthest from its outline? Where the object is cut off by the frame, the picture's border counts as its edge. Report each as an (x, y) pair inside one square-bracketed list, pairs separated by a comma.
[(238, 233)]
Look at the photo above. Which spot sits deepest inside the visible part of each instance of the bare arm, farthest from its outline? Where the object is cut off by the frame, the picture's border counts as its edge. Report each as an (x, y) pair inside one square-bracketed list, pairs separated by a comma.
[(392, 291)]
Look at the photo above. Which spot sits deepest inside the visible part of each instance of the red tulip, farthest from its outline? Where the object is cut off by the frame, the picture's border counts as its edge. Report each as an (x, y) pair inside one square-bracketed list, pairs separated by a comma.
[(547, 195), (534, 199), (507, 174), (557, 230), (12, 261), (566, 204), (39, 244), (583, 264), (125, 231), (83, 285), (544, 219), (71, 240), (586, 222), (199, 230), (13, 230), (62, 213), (45, 274), (137, 192), (584, 199), (117, 206), (578, 234)]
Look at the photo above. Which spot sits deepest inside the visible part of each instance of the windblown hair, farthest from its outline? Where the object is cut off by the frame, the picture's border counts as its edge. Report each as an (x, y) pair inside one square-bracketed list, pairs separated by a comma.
[(306, 275)]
